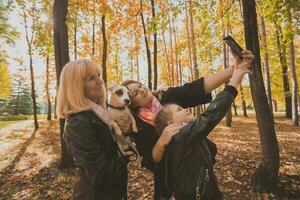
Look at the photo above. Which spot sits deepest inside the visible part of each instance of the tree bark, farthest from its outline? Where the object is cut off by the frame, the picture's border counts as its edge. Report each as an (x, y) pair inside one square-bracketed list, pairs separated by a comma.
[(147, 47), (189, 41), (104, 57), (154, 46), (228, 116), (295, 116), (93, 31), (243, 102), (47, 88), (234, 108), (176, 54), (167, 59), (30, 53), (193, 41), (265, 177), (281, 47), (61, 50), (171, 50), (266, 64)]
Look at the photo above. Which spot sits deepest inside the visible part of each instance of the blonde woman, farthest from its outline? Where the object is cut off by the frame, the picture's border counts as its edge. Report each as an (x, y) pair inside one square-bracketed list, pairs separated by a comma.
[(81, 100)]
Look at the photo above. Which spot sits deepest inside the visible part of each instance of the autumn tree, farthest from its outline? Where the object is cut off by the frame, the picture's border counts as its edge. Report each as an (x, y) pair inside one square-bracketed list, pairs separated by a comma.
[(265, 177), (30, 16), (61, 50)]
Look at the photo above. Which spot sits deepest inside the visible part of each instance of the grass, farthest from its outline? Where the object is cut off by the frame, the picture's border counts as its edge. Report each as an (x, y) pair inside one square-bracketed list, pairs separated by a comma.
[(7, 123)]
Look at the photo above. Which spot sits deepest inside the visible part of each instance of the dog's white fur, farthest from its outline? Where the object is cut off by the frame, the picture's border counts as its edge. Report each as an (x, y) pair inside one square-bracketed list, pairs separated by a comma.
[(118, 96)]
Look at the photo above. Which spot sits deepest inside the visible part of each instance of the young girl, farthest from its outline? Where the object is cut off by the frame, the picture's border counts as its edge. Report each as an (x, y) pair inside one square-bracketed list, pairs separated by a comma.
[(190, 156)]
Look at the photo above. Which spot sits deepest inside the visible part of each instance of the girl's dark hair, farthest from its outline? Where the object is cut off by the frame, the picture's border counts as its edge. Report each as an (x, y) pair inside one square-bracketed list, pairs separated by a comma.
[(162, 119)]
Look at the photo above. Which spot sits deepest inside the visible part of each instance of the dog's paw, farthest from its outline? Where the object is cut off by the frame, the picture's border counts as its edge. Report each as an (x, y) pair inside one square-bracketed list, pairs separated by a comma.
[(134, 129)]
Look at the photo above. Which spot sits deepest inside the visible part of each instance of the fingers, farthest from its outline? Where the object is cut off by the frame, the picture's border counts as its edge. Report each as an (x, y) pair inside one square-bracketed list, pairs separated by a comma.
[(248, 55)]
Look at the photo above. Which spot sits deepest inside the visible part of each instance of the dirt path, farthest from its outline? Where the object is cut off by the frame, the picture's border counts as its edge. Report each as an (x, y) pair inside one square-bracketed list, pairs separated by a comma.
[(28, 169)]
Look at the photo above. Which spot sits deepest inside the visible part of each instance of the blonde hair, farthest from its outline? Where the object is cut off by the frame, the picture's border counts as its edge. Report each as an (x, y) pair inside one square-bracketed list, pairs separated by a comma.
[(70, 97)]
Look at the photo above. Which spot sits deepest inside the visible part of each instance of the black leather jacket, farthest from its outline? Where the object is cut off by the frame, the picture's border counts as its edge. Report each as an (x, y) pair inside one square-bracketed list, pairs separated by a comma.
[(190, 153), (102, 173)]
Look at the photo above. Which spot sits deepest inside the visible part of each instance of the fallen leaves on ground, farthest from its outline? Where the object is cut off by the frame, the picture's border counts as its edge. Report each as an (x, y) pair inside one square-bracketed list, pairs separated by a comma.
[(28, 163)]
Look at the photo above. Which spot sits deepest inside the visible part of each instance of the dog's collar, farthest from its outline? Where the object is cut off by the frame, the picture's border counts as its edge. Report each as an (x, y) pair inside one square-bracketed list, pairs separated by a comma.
[(118, 108)]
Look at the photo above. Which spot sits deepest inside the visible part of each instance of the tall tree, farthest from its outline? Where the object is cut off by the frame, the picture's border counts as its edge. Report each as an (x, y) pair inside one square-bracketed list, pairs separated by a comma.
[(30, 16), (147, 46), (193, 42), (266, 63), (61, 50), (104, 50), (281, 50), (295, 116), (5, 86), (244, 108), (228, 117), (154, 44), (265, 177), (20, 102)]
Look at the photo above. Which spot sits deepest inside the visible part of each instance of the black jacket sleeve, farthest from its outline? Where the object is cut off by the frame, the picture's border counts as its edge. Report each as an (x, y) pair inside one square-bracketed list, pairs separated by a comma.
[(90, 152), (189, 95), (207, 121)]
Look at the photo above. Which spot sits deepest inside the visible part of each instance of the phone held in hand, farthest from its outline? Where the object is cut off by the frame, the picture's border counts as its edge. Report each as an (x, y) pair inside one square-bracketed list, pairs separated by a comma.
[(236, 48)]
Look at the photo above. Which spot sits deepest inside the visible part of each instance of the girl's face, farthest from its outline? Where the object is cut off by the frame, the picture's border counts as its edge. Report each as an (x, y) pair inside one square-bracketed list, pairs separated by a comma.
[(94, 89), (180, 115), (140, 95)]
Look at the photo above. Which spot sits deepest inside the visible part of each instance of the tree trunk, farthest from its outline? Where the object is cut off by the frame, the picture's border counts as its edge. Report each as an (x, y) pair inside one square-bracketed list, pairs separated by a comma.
[(171, 50), (295, 116), (147, 48), (194, 52), (189, 41), (265, 177), (167, 59), (47, 88), (137, 58), (93, 31), (234, 108), (266, 64), (176, 54), (281, 47), (104, 57), (243, 102), (29, 44), (55, 102), (61, 50), (228, 116), (154, 46)]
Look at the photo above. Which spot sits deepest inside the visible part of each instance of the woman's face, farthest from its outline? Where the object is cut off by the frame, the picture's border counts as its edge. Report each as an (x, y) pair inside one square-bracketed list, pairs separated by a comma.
[(180, 115), (140, 95), (94, 89)]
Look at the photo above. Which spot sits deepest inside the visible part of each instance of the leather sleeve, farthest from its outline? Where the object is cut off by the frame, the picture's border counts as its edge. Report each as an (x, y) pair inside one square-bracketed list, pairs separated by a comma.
[(88, 153), (208, 120), (188, 95)]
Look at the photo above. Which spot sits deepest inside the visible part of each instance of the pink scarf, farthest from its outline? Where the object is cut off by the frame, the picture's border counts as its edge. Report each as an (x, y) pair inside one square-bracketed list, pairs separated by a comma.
[(148, 115)]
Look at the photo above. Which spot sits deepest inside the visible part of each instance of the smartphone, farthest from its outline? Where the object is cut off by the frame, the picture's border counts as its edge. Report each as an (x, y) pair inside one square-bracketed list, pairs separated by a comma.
[(236, 48)]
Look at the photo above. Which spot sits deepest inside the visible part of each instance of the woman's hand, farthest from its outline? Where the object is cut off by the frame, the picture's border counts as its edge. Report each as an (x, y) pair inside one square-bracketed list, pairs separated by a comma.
[(247, 56), (238, 73), (168, 133)]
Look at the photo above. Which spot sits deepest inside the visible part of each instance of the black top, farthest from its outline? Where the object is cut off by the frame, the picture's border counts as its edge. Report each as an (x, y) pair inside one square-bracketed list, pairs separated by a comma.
[(102, 172), (188, 95)]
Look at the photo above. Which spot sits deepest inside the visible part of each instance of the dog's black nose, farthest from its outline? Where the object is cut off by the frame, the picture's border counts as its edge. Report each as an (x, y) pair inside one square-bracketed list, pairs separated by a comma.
[(127, 101)]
